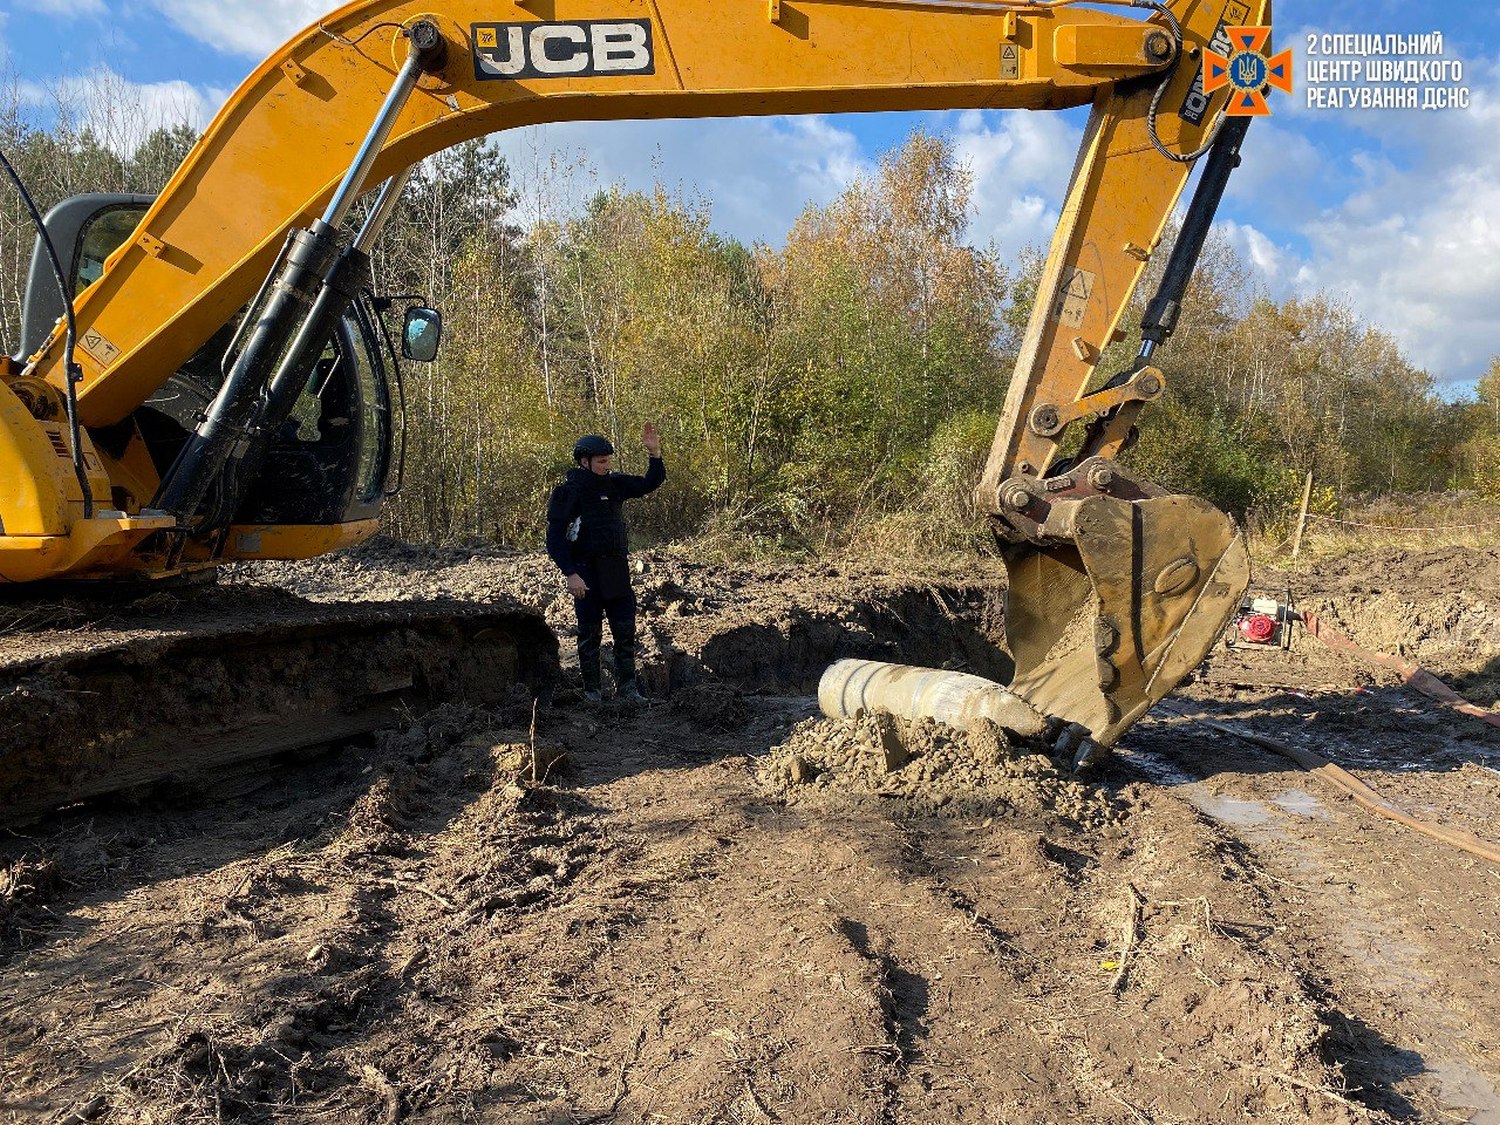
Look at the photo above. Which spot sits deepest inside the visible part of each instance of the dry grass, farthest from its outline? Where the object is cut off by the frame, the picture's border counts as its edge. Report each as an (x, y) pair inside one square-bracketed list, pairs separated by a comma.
[(1421, 522), (898, 540), (912, 539)]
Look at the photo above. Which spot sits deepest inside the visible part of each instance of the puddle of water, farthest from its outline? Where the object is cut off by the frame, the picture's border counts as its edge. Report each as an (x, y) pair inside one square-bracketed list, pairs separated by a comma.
[(1464, 1088), (1233, 810), (1157, 769), (1258, 820), (1302, 804), (1229, 810), (1387, 962)]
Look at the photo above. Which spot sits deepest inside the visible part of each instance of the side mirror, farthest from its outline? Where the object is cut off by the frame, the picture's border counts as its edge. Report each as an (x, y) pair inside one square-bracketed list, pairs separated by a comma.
[(422, 334)]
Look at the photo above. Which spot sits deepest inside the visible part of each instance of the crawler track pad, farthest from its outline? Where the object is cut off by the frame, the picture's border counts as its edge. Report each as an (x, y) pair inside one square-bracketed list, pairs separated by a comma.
[(178, 705)]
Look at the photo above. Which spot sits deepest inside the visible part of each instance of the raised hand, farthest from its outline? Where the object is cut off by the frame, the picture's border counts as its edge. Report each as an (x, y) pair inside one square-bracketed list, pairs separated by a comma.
[(652, 439)]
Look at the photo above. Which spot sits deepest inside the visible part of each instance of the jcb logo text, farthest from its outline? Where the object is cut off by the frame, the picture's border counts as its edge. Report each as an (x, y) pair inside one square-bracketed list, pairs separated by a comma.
[(562, 50)]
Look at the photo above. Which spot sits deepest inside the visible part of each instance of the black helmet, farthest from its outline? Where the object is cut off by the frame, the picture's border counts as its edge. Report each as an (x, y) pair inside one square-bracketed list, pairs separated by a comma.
[(592, 445)]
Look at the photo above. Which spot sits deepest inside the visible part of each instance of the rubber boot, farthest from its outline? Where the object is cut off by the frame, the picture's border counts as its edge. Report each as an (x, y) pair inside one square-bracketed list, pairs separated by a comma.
[(591, 680), (626, 689)]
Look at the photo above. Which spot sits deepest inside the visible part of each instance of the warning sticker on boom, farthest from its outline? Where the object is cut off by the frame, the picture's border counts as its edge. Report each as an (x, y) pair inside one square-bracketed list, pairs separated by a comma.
[(562, 50), (1073, 301), (1010, 61), (1195, 105), (100, 350)]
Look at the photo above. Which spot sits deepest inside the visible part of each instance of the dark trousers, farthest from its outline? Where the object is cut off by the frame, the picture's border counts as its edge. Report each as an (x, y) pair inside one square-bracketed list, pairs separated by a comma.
[(592, 610)]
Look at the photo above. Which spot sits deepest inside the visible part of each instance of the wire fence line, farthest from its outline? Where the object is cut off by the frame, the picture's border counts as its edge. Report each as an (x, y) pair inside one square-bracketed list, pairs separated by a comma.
[(1494, 526)]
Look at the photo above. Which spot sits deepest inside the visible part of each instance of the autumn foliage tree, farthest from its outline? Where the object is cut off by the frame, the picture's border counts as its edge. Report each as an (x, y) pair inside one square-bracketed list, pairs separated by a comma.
[(805, 388), (841, 387), (1479, 453)]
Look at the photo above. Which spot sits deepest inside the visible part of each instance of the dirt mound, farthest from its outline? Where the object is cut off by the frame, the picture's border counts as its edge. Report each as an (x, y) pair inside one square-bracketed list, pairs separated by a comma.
[(1438, 608), (384, 569), (1454, 633), (715, 707), (1415, 574), (928, 768)]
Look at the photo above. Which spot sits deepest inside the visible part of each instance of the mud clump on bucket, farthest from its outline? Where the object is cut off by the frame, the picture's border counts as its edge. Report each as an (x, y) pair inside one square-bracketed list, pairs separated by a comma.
[(927, 768)]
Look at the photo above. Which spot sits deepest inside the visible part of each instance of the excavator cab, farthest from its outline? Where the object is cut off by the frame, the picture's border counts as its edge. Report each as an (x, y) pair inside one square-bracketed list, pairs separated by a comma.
[(333, 461)]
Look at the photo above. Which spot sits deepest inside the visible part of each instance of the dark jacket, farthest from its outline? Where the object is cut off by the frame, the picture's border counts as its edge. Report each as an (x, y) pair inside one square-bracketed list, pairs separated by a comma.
[(598, 504)]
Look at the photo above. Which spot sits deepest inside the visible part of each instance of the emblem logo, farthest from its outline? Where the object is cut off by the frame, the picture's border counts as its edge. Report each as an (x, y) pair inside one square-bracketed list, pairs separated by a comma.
[(1247, 72)]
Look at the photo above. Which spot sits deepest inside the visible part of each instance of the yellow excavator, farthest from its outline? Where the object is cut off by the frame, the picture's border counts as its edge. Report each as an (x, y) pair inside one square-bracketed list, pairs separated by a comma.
[(217, 384)]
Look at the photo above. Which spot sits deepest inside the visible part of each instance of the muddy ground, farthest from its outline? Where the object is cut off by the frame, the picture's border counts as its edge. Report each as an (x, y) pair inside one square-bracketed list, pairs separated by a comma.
[(660, 916)]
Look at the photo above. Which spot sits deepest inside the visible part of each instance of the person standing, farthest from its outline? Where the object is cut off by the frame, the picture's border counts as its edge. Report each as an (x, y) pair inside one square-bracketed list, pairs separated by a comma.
[(589, 541)]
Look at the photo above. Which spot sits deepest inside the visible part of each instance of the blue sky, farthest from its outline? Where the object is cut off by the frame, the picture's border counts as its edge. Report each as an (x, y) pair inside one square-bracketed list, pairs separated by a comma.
[(1395, 211)]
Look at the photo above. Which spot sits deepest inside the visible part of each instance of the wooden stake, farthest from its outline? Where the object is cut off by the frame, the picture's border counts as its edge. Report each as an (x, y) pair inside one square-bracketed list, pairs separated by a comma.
[(1302, 516)]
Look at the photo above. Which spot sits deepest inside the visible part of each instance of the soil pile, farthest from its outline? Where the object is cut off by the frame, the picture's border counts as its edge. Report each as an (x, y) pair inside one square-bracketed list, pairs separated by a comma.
[(927, 768), (1440, 609), (1416, 574)]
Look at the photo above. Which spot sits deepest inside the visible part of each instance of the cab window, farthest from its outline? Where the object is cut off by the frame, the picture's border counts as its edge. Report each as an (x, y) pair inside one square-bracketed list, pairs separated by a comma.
[(100, 238)]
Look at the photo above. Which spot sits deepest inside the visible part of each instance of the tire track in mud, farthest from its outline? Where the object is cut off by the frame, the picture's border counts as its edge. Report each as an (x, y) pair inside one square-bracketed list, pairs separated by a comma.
[(1396, 943), (966, 1028), (902, 998), (1058, 981), (945, 974), (748, 1003)]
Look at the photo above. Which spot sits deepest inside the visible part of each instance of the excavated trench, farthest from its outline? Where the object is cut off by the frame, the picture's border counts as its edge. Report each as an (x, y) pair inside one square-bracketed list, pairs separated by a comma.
[(178, 701), (173, 692), (951, 625)]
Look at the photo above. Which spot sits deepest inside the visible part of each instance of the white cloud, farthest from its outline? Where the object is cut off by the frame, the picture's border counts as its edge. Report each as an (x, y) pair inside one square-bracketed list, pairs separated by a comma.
[(1422, 262), (1253, 245), (1021, 163), (1413, 247), (122, 113), (759, 173), (244, 27)]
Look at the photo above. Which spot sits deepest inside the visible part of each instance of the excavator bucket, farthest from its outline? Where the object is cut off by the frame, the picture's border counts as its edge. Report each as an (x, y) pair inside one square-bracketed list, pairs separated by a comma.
[(1105, 626), (1102, 622)]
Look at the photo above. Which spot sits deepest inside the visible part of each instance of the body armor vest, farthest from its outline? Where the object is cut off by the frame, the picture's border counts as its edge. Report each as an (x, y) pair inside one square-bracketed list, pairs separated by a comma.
[(601, 516)]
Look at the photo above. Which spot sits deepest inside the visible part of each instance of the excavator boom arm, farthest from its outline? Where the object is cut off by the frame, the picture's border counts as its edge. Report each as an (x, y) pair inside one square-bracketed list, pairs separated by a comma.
[(276, 152)]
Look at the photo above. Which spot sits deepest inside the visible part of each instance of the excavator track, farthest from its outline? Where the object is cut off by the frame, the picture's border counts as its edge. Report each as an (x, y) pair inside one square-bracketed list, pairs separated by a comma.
[(175, 690)]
